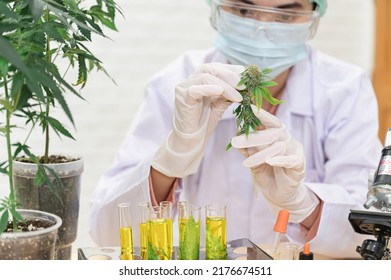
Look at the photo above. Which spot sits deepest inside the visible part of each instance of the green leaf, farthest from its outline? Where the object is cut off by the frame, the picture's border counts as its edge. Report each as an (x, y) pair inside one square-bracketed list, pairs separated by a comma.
[(215, 245), (4, 10), (36, 8), (16, 215), (82, 77), (86, 33), (26, 150), (152, 255), (56, 186), (46, 79), (94, 25), (17, 83), (23, 96), (268, 96), (58, 127), (258, 98), (3, 67), (33, 84), (242, 82), (60, 98), (268, 84), (247, 130), (191, 243), (56, 74), (40, 176), (53, 30), (66, 18), (6, 104), (8, 51), (19, 148), (4, 221)]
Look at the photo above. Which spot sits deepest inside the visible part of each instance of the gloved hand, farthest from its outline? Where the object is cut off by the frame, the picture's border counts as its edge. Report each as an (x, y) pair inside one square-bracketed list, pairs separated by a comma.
[(278, 163), (200, 102)]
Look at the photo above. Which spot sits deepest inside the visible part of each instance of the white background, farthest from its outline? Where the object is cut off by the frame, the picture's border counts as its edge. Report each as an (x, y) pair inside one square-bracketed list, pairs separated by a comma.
[(151, 34)]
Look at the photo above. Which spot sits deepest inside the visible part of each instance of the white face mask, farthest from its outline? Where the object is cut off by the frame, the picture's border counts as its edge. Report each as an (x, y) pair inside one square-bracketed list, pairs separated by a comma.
[(267, 44)]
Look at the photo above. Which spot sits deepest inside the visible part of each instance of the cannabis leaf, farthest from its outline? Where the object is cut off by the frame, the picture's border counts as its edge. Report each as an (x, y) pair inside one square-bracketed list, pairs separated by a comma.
[(190, 246), (152, 255), (155, 253), (215, 247)]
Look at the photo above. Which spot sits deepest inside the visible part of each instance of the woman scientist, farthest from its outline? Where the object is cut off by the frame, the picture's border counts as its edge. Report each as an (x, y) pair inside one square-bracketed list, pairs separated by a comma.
[(312, 159)]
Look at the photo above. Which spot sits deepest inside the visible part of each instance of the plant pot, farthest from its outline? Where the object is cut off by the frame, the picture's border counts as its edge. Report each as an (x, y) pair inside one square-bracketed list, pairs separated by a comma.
[(44, 199), (32, 245)]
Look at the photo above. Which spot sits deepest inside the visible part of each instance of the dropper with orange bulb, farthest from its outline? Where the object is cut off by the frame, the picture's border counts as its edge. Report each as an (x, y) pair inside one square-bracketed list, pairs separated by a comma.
[(280, 228), (306, 254)]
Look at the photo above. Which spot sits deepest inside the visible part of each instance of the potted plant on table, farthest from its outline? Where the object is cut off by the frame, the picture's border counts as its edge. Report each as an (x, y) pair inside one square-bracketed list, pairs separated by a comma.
[(40, 41)]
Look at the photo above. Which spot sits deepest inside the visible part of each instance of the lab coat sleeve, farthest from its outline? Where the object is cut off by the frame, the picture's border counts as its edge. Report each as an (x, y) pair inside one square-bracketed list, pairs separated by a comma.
[(127, 180), (351, 149)]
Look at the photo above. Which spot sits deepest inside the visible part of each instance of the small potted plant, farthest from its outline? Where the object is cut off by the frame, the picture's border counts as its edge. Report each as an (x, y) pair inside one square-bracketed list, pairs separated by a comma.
[(37, 39)]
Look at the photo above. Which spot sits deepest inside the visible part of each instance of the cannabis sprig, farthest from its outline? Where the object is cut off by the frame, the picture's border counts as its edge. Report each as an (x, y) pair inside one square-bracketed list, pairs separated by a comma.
[(256, 88), (257, 83)]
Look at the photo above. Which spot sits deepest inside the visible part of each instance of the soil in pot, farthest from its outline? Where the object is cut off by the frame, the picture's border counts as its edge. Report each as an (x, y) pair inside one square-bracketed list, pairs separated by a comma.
[(44, 199), (29, 225), (34, 239)]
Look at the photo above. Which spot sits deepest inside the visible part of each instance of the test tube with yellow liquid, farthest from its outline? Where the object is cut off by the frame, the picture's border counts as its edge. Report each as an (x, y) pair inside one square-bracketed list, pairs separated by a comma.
[(182, 208), (126, 237), (166, 207), (143, 212), (216, 232), (158, 235), (189, 231)]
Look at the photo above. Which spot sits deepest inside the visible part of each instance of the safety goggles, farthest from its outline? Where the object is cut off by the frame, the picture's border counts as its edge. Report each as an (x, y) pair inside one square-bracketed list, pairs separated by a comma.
[(261, 18)]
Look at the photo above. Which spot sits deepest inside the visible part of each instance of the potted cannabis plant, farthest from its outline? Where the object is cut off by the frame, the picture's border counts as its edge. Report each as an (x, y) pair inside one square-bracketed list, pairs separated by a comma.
[(41, 41)]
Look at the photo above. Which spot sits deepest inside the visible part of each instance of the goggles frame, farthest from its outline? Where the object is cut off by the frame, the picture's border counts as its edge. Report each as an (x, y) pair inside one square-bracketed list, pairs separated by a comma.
[(311, 17), (238, 6)]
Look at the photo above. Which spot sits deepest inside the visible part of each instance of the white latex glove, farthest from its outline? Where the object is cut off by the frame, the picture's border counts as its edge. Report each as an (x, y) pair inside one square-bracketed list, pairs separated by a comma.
[(278, 163), (200, 102)]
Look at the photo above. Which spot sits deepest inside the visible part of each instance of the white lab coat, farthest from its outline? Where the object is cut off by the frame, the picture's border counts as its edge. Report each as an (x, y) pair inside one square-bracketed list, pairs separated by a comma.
[(329, 106)]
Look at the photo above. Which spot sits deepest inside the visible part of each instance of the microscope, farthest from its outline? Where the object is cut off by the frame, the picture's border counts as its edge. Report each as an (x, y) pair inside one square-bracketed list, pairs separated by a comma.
[(376, 223)]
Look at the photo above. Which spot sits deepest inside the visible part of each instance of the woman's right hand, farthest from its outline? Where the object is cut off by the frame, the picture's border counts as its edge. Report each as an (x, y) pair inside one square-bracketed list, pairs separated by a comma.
[(200, 102)]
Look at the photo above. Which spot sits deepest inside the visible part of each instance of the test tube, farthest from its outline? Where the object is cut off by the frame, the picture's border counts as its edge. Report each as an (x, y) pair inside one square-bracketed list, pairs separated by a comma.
[(166, 207), (143, 213), (125, 224), (182, 208), (216, 232), (189, 231), (158, 237)]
